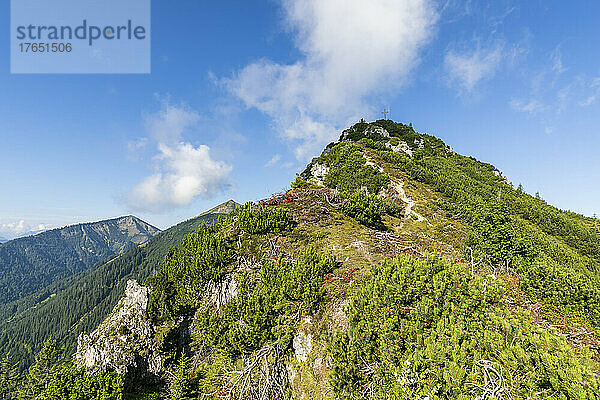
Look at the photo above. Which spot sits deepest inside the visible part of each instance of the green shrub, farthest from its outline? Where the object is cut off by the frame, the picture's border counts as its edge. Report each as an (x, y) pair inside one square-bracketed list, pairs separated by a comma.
[(368, 210), (299, 182), (267, 306), (258, 219), (177, 285), (417, 328), (511, 228), (348, 171), (72, 383)]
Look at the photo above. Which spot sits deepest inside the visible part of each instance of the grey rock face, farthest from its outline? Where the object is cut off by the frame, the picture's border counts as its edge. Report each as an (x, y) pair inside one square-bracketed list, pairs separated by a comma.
[(302, 345), (370, 130), (318, 173), (401, 147), (222, 291), (124, 341)]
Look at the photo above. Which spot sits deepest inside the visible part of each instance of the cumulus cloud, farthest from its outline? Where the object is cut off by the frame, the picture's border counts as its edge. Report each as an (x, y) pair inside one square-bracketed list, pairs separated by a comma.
[(467, 69), (351, 49), (183, 172)]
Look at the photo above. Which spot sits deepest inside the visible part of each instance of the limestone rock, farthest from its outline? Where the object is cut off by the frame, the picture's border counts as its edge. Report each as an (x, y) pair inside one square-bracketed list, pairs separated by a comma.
[(401, 147), (302, 345), (318, 172), (222, 291), (124, 341), (369, 130)]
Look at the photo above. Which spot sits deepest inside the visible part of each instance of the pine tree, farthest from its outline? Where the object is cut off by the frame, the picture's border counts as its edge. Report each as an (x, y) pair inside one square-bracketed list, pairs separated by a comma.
[(181, 385), (9, 377), (40, 373)]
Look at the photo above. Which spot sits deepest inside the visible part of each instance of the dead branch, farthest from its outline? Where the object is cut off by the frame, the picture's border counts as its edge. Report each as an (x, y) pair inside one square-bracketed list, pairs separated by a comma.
[(494, 385)]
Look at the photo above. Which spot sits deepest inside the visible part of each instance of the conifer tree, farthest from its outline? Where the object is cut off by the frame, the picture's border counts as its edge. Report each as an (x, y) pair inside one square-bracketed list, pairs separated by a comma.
[(40, 373), (181, 385), (9, 377)]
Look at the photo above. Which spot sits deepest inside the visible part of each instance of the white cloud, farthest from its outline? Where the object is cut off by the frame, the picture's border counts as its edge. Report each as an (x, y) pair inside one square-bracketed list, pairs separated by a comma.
[(351, 49), (11, 230), (557, 64), (467, 69), (273, 161), (183, 171), (531, 106), (594, 87), (168, 124)]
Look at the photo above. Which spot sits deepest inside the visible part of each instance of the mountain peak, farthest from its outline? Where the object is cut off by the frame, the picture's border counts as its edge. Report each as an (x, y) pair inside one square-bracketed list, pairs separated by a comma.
[(51, 255), (223, 208)]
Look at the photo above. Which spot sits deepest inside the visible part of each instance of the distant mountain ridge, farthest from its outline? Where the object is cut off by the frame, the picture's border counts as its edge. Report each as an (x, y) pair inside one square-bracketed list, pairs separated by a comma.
[(224, 208), (79, 303), (30, 263)]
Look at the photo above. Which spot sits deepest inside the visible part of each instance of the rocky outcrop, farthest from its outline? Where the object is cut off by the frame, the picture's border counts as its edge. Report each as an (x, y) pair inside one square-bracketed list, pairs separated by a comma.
[(420, 143), (222, 291), (351, 133), (302, 345), (315, 172), (401, 147), (124, 341), (318, 173)]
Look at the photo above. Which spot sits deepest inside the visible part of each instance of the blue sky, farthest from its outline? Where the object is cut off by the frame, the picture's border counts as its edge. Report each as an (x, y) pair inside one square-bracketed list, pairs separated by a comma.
[(243, 93)]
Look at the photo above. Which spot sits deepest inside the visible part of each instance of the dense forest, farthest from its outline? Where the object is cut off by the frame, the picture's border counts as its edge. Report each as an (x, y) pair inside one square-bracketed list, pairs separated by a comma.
[(398, 270), (31, 263)]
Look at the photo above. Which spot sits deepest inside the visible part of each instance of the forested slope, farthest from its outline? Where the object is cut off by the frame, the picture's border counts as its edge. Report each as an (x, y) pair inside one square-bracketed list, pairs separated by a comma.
[(79, 303), (31, 263)]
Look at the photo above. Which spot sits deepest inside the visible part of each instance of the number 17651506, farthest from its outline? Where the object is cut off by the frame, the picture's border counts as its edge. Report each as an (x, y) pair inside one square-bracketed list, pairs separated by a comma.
[(45, 47)]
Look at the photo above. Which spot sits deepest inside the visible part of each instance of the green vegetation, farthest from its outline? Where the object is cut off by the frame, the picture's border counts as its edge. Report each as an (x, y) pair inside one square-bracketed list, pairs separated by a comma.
[(299, 182), (71, 383), (182, 385), (53, 377), (263, 315), (257, 219), (177, 285), (349, 171), (79, 303), (9, 377), (368, 210), (267, 306), (32, 263), (260, 322), (417, 329), (554, 253)]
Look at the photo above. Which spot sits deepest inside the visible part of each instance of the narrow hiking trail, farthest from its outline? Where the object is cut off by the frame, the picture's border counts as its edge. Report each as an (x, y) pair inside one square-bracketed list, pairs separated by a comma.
[(397, 185)]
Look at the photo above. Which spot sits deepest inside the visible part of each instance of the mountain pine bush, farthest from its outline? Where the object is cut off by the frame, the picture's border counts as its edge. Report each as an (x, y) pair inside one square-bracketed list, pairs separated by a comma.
[(417, 329)]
